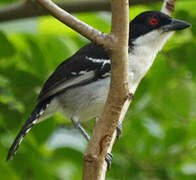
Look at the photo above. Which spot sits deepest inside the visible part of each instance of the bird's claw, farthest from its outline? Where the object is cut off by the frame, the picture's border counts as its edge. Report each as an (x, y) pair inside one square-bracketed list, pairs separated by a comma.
[(108, 159)]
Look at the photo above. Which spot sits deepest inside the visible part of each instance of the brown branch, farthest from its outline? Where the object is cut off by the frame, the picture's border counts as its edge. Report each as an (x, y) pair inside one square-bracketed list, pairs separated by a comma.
[(29, 8), (79, 26), (118, 100)]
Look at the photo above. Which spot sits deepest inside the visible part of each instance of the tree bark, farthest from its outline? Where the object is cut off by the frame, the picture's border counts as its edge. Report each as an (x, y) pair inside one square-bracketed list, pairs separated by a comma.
[(28, 8), (84, 29), (118, 99)]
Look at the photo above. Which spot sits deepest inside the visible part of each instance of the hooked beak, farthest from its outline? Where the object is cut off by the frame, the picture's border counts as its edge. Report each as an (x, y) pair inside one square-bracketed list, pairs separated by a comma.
[(175, 25)]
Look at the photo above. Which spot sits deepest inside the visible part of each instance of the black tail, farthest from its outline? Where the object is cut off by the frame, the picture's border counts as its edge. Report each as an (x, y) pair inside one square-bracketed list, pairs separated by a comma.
[(32, 120)]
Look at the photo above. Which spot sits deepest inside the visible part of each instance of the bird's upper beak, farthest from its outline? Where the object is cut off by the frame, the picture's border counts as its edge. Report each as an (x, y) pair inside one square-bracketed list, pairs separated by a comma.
[(175, 25)]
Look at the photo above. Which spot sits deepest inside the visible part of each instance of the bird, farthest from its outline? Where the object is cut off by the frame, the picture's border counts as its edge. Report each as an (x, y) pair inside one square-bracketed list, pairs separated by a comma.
[(79, 86)]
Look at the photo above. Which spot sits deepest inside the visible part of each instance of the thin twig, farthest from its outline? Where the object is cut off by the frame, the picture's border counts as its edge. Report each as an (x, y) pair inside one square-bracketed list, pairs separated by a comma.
[(84, 29)]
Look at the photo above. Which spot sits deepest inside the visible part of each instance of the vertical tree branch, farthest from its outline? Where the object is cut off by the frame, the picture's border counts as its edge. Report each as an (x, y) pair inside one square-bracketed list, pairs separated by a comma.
[(118, 99)]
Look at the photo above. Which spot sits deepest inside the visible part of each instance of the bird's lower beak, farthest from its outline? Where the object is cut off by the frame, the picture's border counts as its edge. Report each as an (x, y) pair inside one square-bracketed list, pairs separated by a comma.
[(175, 25)]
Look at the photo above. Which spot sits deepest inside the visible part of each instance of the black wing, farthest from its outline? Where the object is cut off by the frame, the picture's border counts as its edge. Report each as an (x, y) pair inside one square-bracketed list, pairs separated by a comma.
[(87, 65)]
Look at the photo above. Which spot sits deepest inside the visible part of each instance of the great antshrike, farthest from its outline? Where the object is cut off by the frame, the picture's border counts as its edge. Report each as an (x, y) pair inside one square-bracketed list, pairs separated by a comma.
[(79, 86)]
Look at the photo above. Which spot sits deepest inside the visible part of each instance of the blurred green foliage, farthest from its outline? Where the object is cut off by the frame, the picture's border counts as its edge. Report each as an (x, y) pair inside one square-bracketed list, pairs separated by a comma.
[(159, 133)]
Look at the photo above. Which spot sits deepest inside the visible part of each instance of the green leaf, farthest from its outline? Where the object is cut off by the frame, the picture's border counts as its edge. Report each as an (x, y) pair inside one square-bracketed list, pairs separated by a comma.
[(10, 116), (6, 47), (43, 130), (175, 136)]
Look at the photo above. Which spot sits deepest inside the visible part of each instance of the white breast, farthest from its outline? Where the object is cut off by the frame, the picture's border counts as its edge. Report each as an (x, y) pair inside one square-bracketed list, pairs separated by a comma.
[(139, 65), (143, 54)]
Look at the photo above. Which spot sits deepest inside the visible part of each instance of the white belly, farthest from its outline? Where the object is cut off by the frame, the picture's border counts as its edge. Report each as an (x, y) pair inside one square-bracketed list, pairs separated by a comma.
[(85, 102)]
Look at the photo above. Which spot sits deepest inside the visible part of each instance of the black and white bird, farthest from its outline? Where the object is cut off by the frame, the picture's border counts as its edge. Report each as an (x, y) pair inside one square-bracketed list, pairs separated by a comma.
[(78, 88)]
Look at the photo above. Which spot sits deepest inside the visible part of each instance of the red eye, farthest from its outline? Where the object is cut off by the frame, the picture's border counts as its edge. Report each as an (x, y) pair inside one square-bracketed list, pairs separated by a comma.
[(153, 21)]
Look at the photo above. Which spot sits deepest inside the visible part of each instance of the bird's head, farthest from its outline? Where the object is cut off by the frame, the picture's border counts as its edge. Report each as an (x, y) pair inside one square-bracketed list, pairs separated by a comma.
[(153, 28)]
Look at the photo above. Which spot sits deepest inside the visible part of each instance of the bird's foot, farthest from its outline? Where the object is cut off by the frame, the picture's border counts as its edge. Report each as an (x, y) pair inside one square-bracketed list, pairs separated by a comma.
[(108, 159)]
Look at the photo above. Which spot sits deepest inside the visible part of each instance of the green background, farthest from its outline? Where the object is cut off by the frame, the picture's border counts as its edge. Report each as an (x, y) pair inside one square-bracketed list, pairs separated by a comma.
[(159, 133)]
